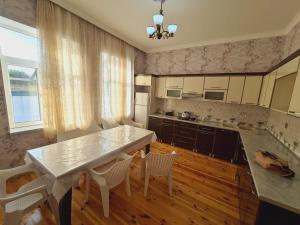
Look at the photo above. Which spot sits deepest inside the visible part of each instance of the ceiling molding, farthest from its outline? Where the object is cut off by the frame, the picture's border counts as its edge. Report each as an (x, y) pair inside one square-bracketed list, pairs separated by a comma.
[(92, 20), (293, 23)]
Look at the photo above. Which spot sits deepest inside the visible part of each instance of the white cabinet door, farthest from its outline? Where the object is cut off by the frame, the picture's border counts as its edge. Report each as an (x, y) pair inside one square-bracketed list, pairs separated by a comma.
[(288, 68), (144, 80), (235, 89), (193, 85), (160, 89), (216, 82), (270, 88), (174, 82), (252, 90), (294, 108), (264, 90)]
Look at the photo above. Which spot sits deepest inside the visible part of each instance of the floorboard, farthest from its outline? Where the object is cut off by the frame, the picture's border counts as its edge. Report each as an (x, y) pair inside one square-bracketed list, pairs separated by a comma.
[(204, 194)]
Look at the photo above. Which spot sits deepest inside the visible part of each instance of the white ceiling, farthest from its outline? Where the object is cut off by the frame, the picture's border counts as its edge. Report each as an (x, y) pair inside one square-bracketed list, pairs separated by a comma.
[(199, 21)]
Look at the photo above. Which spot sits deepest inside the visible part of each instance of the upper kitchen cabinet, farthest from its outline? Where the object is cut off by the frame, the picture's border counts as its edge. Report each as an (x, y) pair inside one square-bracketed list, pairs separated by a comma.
[(294, 108), (235, 89), (288, 68), (252, 90), (174, 82), (160, 87), (270, 88), (282, 93), (193, 85), (263, 91), (144, 80), (216, 82)]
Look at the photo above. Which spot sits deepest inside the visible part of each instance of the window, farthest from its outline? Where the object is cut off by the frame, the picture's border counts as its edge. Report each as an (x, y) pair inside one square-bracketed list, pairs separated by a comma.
[(19, 63)]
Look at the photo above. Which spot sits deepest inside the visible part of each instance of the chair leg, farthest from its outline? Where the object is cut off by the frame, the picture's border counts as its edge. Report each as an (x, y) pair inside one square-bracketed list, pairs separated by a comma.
[(54, 207), (143, 163), (170, 183), (87, 187), (127, 181), (105, 200), (146, 184)]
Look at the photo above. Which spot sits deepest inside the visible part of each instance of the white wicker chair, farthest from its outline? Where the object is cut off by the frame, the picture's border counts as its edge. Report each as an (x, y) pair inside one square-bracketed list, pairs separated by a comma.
[(109, 176), (158, 165), (108, 123), (28, 196)]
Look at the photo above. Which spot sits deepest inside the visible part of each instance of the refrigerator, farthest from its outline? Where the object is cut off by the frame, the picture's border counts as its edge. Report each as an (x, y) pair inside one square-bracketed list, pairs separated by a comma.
[(142, 108)]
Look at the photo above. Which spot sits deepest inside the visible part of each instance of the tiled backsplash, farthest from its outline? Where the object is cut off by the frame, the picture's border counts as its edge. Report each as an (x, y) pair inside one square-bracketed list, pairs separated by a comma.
[(242, 113), (286, 126)]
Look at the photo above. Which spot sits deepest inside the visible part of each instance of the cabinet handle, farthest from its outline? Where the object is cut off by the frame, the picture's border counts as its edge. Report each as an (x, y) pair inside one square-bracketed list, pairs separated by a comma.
[(216, 87), (291, 111)]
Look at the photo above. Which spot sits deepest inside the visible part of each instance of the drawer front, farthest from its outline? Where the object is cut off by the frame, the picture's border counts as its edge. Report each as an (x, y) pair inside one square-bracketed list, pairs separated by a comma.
[(185, 132), (155, 119), (185, 124), (184, 142), (207, 129), (166, 121)]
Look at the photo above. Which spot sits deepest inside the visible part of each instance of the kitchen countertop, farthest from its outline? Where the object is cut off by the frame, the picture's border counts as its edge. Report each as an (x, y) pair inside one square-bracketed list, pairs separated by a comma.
[(280, 191)]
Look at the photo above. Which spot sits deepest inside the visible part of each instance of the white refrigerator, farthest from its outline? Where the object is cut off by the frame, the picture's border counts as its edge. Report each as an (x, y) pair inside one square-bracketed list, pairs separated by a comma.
[(141, 108)]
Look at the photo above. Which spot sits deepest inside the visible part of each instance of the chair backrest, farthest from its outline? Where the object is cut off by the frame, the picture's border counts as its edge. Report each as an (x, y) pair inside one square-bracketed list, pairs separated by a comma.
[(159, 164), (8, 173), (64, 136), (118, 172), (93, 128), (108, 123)]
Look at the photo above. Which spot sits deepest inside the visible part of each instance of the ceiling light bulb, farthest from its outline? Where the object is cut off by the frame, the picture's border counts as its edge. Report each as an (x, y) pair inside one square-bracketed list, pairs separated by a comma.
[(150, 30), (172, 28), (158, 19)]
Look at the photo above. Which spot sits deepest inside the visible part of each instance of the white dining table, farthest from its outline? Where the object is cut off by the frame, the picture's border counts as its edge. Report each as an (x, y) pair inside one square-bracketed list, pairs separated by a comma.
[(64, 161)]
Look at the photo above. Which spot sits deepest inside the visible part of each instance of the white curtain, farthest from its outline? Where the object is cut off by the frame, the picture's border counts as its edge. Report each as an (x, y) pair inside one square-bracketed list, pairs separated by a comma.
[(85, 72), (117, 80)]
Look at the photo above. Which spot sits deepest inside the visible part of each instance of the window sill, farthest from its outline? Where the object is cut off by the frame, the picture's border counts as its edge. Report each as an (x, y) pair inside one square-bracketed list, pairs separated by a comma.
[(25, 128)]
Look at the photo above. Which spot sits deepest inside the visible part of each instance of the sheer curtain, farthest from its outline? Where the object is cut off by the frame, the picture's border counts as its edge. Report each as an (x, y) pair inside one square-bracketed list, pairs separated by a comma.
[(117, 80), (82, 70)]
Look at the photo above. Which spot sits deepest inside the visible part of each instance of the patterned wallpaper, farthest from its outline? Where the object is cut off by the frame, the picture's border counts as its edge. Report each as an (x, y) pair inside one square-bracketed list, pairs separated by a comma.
[(257, 55), (243, 56)]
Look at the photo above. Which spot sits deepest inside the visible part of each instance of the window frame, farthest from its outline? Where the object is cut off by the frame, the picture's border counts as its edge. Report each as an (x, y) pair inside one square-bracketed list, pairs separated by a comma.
[(5, 62)]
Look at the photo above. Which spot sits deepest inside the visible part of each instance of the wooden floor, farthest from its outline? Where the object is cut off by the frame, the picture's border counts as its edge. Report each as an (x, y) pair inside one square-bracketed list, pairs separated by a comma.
[(204, 194)]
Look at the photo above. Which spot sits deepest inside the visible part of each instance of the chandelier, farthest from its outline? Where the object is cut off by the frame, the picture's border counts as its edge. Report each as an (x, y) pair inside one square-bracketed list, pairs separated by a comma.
[(158, 31)]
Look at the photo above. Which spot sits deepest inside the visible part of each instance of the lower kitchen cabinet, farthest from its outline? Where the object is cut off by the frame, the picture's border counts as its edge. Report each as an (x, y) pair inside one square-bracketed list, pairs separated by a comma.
[(167, 130), (225, 144), (184, 142), (205, 141), (155, 125)]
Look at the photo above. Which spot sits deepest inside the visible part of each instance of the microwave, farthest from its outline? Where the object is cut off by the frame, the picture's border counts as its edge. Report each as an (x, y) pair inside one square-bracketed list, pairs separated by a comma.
[(215, 95), (175, 93)]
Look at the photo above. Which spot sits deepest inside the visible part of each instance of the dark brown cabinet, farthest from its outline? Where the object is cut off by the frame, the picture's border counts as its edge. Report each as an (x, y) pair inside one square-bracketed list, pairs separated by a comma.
[(155, 124), (219, 143), (167, 130), (205, 140), (225, 144)]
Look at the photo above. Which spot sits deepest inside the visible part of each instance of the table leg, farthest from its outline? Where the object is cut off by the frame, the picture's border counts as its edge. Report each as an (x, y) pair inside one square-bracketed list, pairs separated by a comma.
[(65, 208), (147, 149)]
